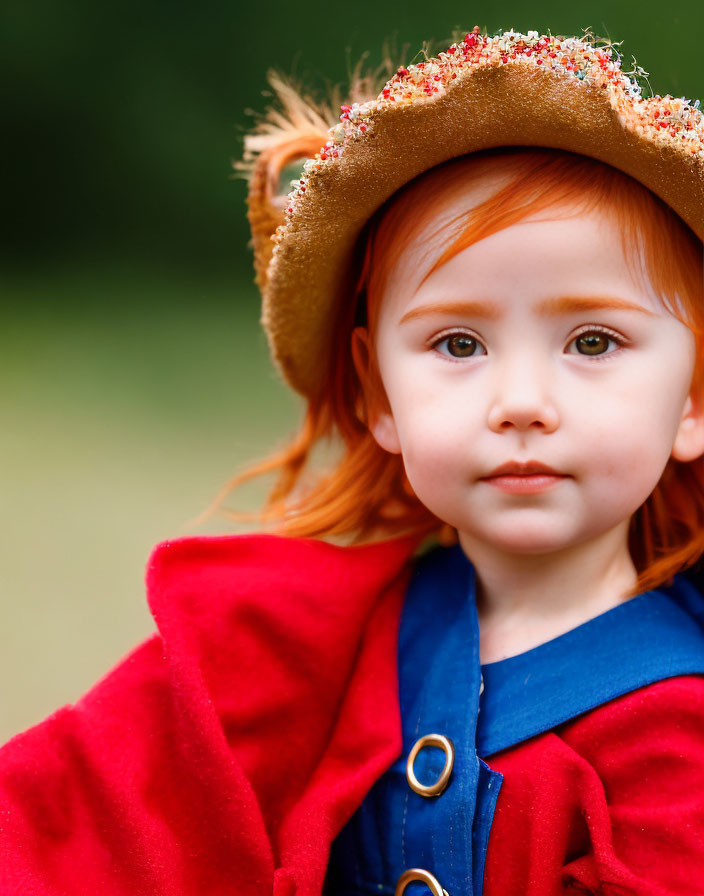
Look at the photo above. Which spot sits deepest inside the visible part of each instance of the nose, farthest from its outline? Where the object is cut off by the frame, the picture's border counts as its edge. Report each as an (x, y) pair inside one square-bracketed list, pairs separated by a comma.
[(523, 396)]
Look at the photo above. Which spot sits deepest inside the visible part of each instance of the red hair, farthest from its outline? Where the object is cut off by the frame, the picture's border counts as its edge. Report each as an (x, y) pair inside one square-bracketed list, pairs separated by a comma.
[(366, 494)]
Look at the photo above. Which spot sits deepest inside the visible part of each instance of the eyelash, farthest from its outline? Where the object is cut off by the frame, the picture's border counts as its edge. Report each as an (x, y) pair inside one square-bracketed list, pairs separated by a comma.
[(587, 328)]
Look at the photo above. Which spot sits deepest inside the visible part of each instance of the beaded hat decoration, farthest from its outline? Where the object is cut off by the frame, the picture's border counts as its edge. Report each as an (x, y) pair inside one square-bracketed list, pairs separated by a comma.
[(509, 89)]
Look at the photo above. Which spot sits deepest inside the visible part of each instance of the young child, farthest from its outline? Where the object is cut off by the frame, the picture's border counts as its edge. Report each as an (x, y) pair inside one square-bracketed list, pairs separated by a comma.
[(488, 286)]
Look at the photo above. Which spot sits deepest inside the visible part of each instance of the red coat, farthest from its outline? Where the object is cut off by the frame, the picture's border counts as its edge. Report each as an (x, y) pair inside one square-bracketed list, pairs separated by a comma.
[(226, 752)]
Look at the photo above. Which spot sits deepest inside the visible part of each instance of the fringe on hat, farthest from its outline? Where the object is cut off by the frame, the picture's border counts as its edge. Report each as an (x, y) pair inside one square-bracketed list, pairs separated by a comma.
[(290, 130), (295, 126)]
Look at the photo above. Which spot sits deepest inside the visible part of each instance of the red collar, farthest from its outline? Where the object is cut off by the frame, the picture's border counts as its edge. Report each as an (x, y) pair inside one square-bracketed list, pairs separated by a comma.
[(283, 656)]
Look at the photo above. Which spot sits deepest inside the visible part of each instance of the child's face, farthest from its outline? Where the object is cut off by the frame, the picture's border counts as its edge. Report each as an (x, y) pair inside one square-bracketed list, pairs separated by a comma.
[(482, 365)]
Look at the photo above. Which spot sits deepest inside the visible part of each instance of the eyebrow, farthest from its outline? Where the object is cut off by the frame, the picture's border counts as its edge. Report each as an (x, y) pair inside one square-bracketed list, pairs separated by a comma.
[(550, 307)]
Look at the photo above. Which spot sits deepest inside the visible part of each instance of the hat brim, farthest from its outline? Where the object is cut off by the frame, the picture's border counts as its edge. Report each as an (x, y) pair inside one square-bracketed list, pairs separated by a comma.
[(498, 105)]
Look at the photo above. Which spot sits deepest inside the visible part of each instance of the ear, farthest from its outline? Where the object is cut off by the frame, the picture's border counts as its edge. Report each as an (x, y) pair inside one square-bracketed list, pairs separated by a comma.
[(689, 441), (380, 419)]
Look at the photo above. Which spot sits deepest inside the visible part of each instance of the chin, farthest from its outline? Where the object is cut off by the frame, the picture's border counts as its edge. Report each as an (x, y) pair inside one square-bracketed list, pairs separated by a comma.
[(530, 542), (532, 547)]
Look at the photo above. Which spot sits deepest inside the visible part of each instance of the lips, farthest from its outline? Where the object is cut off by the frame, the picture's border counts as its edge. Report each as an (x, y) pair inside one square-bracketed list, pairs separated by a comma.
[(525, 468)]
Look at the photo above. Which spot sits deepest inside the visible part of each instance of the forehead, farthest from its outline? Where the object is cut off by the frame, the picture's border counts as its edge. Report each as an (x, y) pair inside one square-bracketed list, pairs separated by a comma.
[(561, 251)]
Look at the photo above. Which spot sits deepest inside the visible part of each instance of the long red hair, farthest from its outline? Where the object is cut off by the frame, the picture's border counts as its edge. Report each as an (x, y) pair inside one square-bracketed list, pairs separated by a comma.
[(365, 495)]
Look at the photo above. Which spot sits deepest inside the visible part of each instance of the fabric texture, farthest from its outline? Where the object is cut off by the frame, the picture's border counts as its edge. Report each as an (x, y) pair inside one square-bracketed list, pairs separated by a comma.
[(610, 804), (227, 752), (617, 806), (224, 754), (395, 828), (597, 680)]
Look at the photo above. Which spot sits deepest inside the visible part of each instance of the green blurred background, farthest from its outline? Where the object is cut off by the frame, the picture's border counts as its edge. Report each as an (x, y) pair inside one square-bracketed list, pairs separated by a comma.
[(135, 378)]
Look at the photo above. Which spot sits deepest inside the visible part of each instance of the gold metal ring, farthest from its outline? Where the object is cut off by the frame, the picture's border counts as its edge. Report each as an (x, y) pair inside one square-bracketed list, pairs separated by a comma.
[(425, 877), (431, 740)]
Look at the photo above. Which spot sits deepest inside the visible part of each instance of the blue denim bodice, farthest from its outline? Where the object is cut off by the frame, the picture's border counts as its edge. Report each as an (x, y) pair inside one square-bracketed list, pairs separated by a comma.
[(653, 636)]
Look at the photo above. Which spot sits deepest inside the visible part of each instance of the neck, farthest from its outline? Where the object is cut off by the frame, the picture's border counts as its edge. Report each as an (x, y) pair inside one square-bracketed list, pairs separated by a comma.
[(526, 599)]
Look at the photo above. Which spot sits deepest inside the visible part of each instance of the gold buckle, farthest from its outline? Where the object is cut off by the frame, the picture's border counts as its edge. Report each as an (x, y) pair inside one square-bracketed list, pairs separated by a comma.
[(431, 740), (425, 877)]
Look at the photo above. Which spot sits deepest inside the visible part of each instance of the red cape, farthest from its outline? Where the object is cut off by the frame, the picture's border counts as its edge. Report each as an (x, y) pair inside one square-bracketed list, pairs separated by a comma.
[(225, 753)]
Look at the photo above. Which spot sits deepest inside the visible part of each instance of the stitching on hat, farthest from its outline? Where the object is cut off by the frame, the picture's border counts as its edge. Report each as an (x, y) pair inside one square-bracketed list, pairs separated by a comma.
[(592, 62)]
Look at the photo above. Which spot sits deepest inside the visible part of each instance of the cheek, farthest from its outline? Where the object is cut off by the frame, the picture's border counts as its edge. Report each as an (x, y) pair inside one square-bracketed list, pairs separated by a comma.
[(625, 450), (430, 459), (432, 428), (437, 459), (425, 395)]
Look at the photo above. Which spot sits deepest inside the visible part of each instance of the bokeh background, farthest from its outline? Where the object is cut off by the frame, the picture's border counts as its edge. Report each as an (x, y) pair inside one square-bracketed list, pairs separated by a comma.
[(135, 380)]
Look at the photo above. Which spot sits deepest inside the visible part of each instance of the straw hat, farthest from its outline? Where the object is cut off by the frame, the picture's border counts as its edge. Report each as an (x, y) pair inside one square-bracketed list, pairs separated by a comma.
[(483, 91)]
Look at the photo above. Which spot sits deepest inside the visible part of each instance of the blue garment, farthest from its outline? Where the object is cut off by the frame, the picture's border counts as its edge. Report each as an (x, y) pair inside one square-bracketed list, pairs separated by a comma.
[(655, 635)]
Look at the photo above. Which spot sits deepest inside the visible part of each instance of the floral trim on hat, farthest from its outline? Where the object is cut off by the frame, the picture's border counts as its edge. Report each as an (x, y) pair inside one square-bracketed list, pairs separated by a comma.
[(665, 119)]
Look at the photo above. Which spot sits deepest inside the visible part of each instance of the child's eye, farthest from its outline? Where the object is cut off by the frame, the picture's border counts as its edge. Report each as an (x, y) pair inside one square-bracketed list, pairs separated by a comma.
[(590, 342), (595, 341), (459, 345)]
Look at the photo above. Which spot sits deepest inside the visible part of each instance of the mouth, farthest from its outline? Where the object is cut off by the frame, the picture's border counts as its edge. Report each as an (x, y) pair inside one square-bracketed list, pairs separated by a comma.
[(524, 469), (528, 484)]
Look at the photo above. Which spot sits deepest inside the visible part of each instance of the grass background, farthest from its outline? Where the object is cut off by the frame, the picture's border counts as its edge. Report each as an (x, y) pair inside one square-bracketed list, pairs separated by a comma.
[(135, 378)]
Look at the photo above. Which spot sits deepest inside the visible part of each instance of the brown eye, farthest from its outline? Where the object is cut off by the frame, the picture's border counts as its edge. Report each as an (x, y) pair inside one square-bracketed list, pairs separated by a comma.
[(460, 345), (593, 343)]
